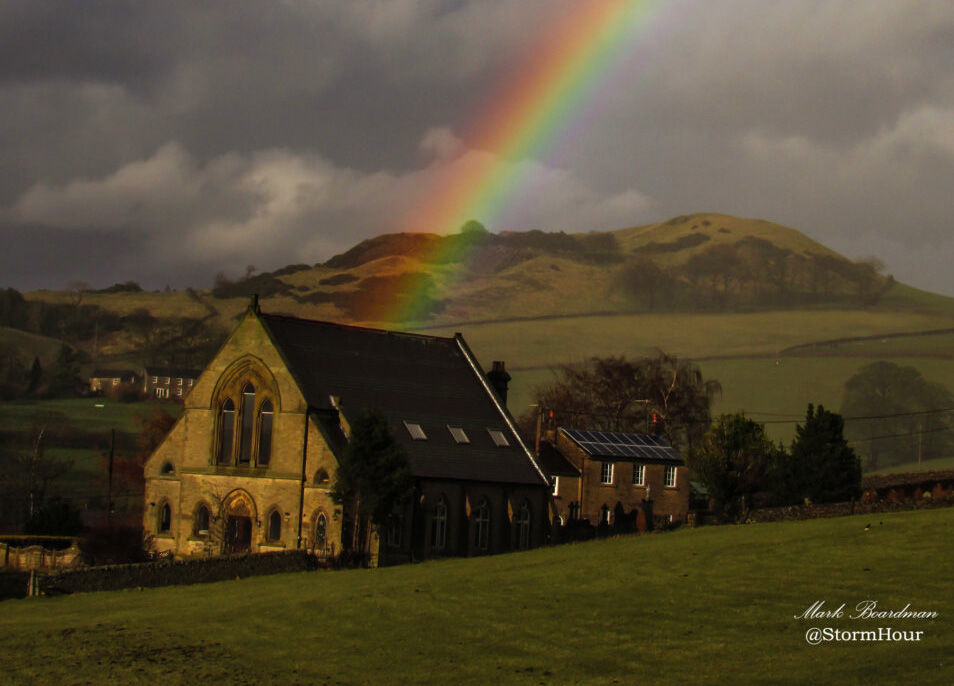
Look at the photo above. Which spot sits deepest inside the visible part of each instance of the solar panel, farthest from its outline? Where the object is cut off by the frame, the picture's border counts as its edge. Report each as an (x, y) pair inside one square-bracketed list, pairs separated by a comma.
[(618, 444)]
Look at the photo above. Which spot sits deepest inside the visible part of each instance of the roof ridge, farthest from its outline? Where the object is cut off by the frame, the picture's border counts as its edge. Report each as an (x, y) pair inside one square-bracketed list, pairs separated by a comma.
[(355, 327)]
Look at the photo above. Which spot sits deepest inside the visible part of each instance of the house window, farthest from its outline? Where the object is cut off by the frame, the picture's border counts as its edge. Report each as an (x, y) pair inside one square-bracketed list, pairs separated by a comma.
[(155, 380), (265, 418), (554, 485), (498, 437), (248, 424), (458, 434), (227, 432), (165, 519), (189, 382), (275, 526), (179, 392), (322, 478), (482, 525), (162, 393), (639, 475), (395, 529), (417, 433), (167, 469), (179, 381), (523, 527), (606, 473), (165, 380), (115, 382), (670, 481), (321, 526), (439, 525), (201, 523)]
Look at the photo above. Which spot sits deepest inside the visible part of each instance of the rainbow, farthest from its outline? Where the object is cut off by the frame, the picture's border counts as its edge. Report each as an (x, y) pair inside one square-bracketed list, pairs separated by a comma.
[(551, 91)]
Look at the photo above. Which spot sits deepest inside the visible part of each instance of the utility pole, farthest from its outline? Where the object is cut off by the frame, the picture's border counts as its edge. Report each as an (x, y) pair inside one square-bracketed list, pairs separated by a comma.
[(109, 481)]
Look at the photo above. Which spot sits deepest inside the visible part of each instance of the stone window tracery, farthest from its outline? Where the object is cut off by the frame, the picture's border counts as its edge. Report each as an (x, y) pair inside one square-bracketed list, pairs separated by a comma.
[(246, 417)]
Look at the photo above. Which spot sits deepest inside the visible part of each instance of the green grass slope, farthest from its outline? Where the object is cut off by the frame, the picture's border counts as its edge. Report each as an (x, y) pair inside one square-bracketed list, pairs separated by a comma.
[(709, 606)]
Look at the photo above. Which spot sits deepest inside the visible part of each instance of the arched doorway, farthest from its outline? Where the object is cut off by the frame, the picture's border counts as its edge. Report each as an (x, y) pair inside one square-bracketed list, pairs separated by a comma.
[(239, 512)]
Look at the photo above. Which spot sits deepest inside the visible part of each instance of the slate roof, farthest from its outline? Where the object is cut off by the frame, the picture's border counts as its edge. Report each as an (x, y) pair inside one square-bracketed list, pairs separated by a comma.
[(554, 463), (431, 381)]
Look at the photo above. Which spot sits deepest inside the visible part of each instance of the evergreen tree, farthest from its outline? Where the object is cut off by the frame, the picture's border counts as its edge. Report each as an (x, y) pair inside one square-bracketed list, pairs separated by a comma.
[(823, 468), (374, 475)]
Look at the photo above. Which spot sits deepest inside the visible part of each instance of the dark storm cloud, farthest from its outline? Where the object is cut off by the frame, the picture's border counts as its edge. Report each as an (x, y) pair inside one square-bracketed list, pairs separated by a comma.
[(202, 135)]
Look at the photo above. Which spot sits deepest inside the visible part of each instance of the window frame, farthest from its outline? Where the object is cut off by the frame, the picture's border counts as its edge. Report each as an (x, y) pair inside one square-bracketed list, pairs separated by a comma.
[(612, 473), (164, 519), (667, 481), (639, 474), (438, 525), (522, 522), (482, 522), (271, 535)]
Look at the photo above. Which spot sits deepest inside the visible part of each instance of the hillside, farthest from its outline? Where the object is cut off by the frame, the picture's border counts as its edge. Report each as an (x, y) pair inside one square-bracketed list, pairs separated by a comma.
[(710, 606), (778, 318)]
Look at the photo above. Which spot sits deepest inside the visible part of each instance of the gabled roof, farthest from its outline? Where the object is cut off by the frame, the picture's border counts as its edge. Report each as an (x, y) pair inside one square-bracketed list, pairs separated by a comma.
[(430, 381), (615, 445)]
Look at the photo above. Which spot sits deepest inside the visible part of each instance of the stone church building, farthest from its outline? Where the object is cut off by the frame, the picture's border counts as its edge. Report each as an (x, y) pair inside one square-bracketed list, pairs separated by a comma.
[(250, 464)]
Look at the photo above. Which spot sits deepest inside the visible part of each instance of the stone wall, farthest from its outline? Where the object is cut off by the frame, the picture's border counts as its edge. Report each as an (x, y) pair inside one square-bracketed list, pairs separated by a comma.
[(797, 512), (173, 573)]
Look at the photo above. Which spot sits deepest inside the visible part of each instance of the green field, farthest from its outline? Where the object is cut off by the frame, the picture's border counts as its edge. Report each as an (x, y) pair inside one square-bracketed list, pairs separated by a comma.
[(709, 606)]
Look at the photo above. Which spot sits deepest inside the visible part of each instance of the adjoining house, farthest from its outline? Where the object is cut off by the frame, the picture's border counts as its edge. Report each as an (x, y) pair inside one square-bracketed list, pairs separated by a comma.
[(109, 381), (599, 476), (251, 462), (167, 383)]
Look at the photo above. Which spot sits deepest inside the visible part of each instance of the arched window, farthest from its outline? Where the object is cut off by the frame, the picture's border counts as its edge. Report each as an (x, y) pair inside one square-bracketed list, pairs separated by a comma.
[(167, 469), (523, 526), (322, 478), (275, 526), (439, 525), (226, 432), (321, 526), (265, 415), (201, 522), (248, 424), (165, 519), (482, 525)]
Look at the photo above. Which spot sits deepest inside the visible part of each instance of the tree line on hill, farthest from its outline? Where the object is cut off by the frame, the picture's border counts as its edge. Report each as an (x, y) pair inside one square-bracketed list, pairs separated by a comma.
[(894, 414), (81, 327), (750, 274)]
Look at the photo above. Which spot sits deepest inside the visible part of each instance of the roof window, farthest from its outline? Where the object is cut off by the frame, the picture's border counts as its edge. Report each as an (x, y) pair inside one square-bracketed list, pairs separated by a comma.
[(458, 433), (417, 433), (500, 440)]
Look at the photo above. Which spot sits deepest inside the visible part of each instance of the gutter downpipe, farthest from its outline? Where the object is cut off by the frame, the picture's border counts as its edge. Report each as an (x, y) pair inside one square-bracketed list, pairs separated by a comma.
[(301, 490)]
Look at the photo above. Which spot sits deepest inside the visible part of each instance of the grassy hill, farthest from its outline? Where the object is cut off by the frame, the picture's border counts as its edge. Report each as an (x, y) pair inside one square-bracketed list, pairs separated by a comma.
[(710, 606), (788, 327)]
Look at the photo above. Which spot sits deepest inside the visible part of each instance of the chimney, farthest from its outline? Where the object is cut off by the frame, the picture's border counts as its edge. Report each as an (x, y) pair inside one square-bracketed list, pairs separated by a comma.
[(499, 379)]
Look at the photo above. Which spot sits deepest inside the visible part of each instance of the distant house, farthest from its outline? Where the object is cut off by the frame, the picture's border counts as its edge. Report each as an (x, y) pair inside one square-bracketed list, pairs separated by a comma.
[(251, 463), (108, 381), (597, 476), (167, 383)]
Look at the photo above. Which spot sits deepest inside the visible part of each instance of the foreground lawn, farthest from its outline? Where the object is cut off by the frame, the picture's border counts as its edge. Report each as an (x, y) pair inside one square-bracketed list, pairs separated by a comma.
[(711, 605)]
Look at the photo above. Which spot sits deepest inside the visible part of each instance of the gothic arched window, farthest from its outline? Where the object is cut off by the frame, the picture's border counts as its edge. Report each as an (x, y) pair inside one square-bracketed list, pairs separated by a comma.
[(247, 425), (439, 525), (265, 417), (275, 526), (226, 432), (523, 526), (482, 525)]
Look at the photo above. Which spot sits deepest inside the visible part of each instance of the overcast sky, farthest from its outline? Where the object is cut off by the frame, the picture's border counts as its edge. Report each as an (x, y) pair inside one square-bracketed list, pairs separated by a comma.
[(165, 141)]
